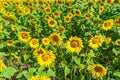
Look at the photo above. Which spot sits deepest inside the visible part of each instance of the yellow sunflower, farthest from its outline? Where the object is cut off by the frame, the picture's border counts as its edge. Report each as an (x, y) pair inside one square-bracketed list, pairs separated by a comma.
[(39, 78), (2, 65), (108, 40), (74, 44), (42, 8), (88, 15), (13, 28), (46, 58), (98, 70), (1, 27), (96, 41), (101, 8), (117, 21), (52, 23), (48, 10), (107, 25), (47, 17), (45, 41), (26, 10), (10, 42), (109, 1), (70, 15), (67, 19), (61, 29), (117, 42), (23, 36), (56, 39), (38, 51), (34, 43), (19, 11), (77, 12), (56, 14)]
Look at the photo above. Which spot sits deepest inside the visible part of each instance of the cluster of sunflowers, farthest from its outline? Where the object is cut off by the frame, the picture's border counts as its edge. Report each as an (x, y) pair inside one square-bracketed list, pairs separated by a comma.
[(59, 39)]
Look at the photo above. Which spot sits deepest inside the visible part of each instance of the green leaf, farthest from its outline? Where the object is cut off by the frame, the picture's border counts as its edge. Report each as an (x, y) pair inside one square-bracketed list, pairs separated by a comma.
[(50, 73), (91, 54), (3, 54), (67, 71), (117, 73), (26, 56), (8, 72), (76, 60), (19, 75)]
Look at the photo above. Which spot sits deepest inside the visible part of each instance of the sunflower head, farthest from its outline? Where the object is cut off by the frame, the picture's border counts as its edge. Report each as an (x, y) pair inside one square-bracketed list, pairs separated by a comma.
[(38, 51), (47, 17), (26, 10), (117, 42), (48, 10), (13, 28), (45, 41), (70, 15), (117, 21), (56, 14), (98, 70), (23, 36), (74, 44), (46, 58), (56, 39), (109, 1), (88, 15), (107, 25), (2, 65), (34, 43), (101, 8), (108, 40), (10, 42), (61, 29), (67, 19), (77, 12), (52, 23)]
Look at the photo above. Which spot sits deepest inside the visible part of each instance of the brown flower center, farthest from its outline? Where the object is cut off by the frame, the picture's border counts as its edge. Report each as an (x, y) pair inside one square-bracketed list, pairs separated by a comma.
[(45, 57), (95, 41), (52, 22), (55, 38), (74, 44), (77, 12), (24, 36), (39, 51), (98, 69)]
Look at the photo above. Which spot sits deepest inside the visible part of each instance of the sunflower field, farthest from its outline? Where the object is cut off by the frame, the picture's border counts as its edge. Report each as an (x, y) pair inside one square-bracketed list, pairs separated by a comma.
[(59, 39)]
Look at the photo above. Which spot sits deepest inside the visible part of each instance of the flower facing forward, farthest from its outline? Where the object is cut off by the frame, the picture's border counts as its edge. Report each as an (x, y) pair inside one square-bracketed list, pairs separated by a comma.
[(47, 58), (107, 25), (10, 42), (96, 41), (45, 41), (109, 1), (38, 51), (98, 70), (23, 36), (74, 44), (34, 43), (117, 42)]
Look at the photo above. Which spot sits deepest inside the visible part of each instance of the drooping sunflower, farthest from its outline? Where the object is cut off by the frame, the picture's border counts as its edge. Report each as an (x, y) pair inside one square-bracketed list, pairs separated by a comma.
[(67, 19), (117, 42), (107, 25), (2, 65), (46, 58), (109, 1), (45, 41), (56, 39), (77, 12), (74, 44), (108, 40), (23, 36), (88, 15), (26, 10), (98, 70), (96, 41), (38, 51), (34, 43), (117, 21), (39, 78), (56, 14), (52, 23), (10, 42)]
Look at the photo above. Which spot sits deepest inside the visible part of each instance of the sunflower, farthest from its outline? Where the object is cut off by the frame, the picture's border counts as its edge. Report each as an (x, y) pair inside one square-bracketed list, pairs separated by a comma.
[(26, 10), (47, 58), (96, 41), (117, 42), (23, 36), (52, 23), (48, 10), (13, 28), (107, 25), (77, 12), (109, 1), (117, 21), (19, 11), (74, 44), (39, 78), (34, 43), (88, 15), (2, 65), (56, 39), (70, 15), (38, 51), (67, 19), (108, 40), (47, 17), (98, 70), (101, 8), (45, 41), (61, 29), (1, 27), (42, 8), (56, 14), (10, 42)]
